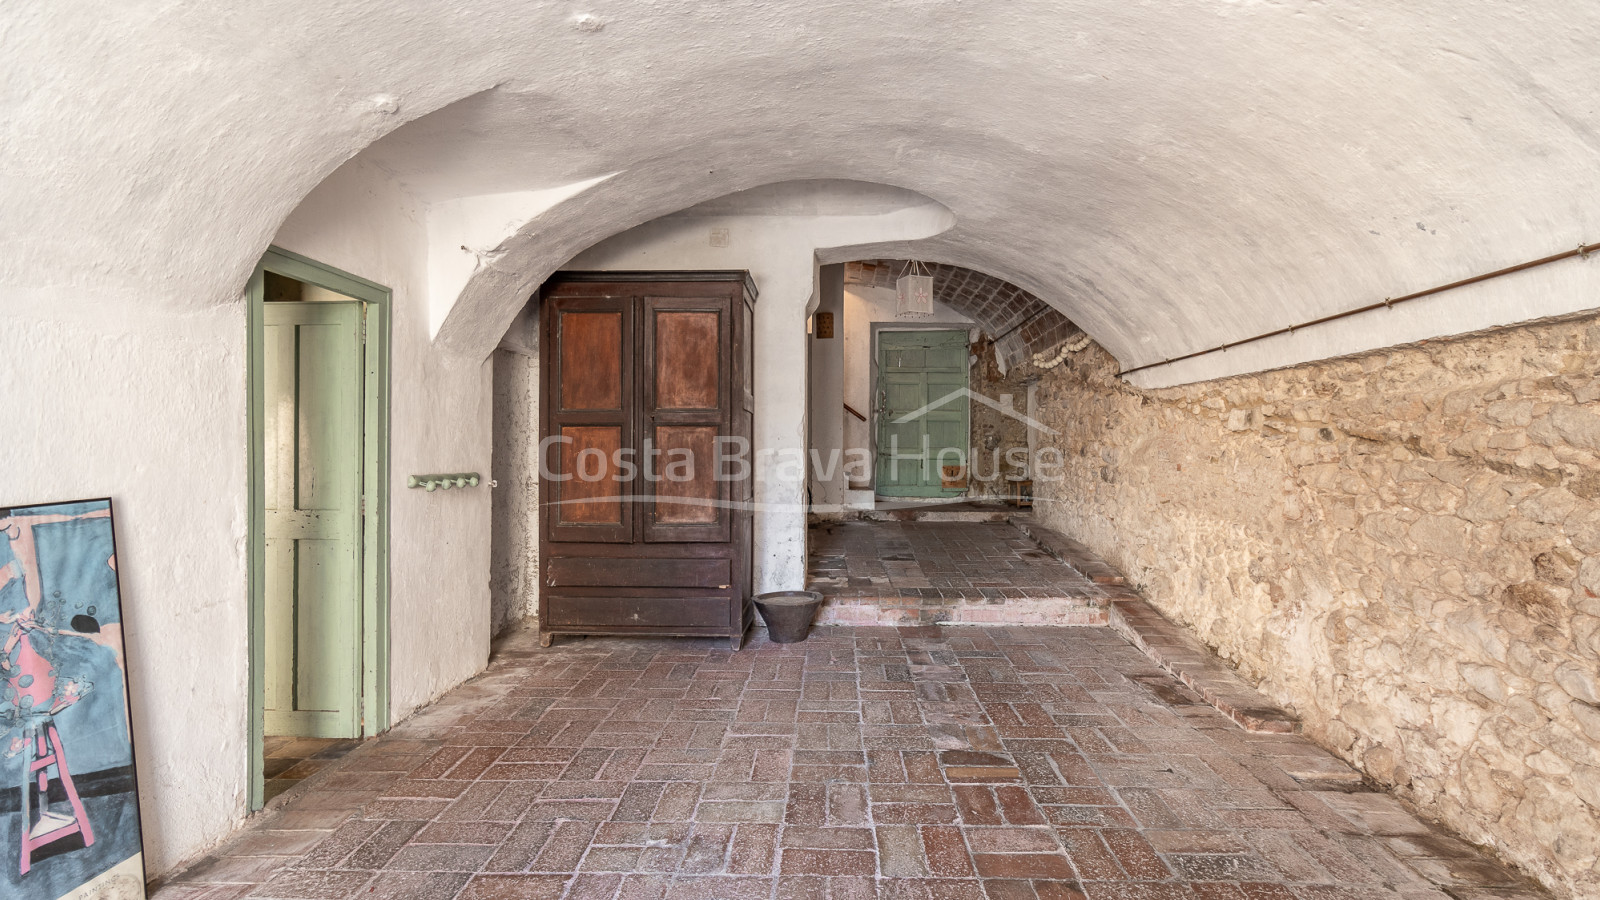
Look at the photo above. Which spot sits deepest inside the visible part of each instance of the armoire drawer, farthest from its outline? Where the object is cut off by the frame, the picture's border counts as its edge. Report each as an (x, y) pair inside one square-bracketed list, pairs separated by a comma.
[(628, 612), (581, 571)]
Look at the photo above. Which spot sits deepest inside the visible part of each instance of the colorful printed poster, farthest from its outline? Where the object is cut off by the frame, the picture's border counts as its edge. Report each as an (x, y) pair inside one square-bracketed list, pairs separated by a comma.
[(69, 806)]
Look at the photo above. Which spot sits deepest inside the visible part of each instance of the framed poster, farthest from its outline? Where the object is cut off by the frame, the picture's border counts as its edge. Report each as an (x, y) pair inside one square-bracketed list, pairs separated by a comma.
[(69, 805)]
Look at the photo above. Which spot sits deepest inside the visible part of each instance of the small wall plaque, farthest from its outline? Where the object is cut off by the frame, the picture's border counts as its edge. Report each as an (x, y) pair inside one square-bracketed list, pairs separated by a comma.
[(824, 325)]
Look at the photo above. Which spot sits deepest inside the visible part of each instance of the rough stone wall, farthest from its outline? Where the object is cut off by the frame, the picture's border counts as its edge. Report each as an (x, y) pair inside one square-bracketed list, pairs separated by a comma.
[(1402, 547), (514, 546)]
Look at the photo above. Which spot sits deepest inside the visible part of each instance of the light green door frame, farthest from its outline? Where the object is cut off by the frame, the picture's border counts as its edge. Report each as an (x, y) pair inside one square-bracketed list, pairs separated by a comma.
[(920, 382), (374, 489)]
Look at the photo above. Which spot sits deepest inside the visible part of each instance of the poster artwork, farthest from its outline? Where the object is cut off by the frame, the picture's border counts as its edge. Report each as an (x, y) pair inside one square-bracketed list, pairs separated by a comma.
[(69, 813)]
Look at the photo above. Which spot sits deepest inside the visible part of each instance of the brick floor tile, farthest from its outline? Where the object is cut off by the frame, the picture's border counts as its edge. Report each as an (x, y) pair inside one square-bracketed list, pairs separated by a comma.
[(720, 887), (565, 846), (1022, 865), (946, 851), (1017, 806), (593, 886), (900, 852), (870, 763), (514, 887), (376, 851), (852, 888), (1012, 840), (707, 849), (1137, 890), (440, 858), (1137, 857), (847, 804), (313, 884), (205, 891), (677, 804), (736, 811), (754, 850), (1009, 889), (463, 833), (1058, 890), (915, 813), (977, 805), (799, 861), (1089, 853), (807, 805), (415, 885)]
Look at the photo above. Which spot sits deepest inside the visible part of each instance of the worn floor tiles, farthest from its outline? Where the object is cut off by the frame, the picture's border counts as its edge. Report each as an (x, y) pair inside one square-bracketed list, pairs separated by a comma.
[(922, 763)]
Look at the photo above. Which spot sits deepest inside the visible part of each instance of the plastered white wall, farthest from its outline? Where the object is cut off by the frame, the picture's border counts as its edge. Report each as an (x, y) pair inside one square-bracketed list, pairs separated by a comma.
[(361, 221), (464, 234), (179, 506), (828, 480)]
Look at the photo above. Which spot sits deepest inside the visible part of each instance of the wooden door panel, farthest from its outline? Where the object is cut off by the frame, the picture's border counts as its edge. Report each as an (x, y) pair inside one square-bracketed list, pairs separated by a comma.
[(312, 378), (592, 352), (687, 408), (586, 458), (589, 408), (689, 491), (323, 626), (923, 420), (328, 411), (688, 364)]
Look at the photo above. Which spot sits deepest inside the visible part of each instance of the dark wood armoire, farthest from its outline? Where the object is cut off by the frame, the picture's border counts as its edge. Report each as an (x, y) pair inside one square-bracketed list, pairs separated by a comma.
[(646, 479)]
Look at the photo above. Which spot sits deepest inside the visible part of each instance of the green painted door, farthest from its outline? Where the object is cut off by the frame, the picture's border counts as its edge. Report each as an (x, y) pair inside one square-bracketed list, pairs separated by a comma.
[(922, 411), (312, 364)]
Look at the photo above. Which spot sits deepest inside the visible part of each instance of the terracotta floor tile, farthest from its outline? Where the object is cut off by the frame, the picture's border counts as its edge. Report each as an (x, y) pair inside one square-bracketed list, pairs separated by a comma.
[(843, 768)]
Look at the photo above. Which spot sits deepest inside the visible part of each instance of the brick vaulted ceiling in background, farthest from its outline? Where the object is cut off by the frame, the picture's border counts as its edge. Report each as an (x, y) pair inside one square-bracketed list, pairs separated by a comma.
[(1025, 329)]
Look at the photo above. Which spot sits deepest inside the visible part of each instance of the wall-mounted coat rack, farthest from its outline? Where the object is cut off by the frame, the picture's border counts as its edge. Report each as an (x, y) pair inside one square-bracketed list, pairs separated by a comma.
[(433, 482)]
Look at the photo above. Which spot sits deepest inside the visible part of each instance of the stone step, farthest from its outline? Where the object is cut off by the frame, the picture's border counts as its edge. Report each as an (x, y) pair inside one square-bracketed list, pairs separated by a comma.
[(1068, 551), (968, 511), (896, 609)]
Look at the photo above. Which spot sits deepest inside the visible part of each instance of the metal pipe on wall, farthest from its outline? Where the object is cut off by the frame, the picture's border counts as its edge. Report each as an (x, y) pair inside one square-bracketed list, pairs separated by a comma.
[(1581, 250)]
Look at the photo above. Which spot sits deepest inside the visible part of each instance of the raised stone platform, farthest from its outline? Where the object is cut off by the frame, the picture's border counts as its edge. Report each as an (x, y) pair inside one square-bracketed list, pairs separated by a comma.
[(945, 573), (1016, 572)]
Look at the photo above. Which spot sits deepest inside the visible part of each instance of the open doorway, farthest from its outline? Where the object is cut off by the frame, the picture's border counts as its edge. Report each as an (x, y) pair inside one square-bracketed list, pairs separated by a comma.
[(318, 373)]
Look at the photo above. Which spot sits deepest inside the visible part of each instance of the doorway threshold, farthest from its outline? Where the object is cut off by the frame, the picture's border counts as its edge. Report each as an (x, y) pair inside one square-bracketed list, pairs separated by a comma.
[(288, 761)]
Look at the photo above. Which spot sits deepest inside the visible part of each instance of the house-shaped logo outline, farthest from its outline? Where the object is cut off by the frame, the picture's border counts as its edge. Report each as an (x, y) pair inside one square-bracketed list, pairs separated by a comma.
[(1007, 410)]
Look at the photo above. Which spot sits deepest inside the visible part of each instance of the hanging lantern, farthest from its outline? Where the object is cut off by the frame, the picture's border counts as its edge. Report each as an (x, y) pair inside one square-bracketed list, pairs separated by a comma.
[(914, 292)]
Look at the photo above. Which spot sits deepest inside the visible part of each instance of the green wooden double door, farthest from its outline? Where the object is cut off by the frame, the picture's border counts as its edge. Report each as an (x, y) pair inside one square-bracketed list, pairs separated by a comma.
[(312, 362), (922, 412)]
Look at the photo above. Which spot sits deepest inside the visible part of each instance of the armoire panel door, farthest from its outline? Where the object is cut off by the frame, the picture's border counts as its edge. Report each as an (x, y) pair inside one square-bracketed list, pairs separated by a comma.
[(591, 420), (688, 345)]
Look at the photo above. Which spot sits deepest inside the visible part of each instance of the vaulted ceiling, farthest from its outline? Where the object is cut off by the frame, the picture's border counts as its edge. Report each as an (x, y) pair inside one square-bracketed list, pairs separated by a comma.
[(1167, 175)]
